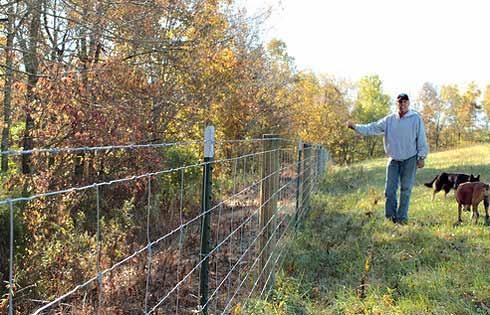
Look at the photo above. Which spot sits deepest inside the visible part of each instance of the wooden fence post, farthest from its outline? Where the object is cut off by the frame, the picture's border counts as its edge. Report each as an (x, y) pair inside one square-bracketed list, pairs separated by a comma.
[(299, 183), (307, 180), (268, 197)]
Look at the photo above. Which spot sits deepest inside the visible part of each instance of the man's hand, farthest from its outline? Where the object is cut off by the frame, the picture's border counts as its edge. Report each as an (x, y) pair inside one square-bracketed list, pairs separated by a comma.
[(350, 125), (420, 163)]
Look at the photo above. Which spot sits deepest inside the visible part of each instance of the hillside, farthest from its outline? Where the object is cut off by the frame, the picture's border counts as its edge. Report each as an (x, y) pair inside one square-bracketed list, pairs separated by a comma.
[(347, 259)]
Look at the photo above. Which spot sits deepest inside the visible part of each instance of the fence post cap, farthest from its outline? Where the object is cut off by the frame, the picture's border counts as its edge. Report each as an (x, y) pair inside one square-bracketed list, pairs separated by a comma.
[(209, 134), (269, 135)]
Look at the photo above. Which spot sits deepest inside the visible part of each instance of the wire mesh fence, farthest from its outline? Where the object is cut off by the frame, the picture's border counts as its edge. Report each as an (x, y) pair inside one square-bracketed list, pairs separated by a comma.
[(199, 227)]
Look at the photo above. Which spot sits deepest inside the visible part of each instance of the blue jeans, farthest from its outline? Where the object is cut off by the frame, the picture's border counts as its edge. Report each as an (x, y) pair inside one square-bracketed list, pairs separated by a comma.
[(403, 171)]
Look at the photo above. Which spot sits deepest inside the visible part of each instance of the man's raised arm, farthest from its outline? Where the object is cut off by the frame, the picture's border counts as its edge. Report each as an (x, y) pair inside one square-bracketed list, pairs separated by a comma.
[(372, 129)]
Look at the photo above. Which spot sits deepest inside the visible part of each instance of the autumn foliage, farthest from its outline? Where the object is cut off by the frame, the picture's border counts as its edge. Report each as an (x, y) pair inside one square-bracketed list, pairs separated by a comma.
[(95, 73)]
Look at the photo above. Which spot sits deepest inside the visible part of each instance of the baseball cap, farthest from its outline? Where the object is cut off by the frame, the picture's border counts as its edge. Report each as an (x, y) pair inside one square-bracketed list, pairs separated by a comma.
[(402, 97)]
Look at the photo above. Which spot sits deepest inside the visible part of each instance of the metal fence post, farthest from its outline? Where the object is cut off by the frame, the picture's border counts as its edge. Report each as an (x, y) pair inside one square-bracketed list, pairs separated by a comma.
[(11, 260), (268, 197), (324, 161), (322, 158), (298, 183), (209, 134), (319, 149), (307, 180), (318, 161)]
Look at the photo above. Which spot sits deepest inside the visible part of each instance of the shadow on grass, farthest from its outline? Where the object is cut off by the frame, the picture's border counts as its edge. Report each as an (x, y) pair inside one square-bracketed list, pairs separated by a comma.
[(348, 258), (340, 253), (345, 180)]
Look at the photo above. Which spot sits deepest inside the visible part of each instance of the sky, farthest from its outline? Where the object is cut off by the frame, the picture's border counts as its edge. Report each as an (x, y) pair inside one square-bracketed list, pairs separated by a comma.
[(406, 43)]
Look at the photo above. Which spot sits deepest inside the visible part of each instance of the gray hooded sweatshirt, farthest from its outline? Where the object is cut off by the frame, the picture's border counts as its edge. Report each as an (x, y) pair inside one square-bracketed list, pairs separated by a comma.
[(403, 137)]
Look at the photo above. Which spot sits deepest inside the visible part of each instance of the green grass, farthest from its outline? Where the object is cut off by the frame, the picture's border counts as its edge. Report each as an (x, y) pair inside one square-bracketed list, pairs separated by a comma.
[(426, 267)]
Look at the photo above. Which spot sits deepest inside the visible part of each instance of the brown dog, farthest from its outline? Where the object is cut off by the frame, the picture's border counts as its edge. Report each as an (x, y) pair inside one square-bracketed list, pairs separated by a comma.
[(448, 181), (471, 194)]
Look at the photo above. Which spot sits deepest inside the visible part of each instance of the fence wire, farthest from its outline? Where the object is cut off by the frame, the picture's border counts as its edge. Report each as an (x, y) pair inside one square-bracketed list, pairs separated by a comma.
[(133, 244)]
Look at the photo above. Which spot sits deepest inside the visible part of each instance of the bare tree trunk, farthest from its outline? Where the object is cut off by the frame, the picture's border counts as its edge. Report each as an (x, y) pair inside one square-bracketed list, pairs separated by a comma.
[(32, 63), (57, 41), (438, 132), (371, 146), (7, 91), (89, 55), (84, 58)]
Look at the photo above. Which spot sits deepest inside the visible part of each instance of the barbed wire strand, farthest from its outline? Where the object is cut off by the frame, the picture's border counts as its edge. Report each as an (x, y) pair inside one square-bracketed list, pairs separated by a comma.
[(212, 252), (249, 247), (258, 256), (277, 259), (240, 259), (131, 146), (265, 266), (102, 273), (122, 180), (266, 226), (101, 148)]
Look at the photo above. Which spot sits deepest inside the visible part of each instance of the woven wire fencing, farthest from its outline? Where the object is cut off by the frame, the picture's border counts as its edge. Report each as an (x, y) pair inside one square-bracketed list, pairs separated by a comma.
[(185, 232)]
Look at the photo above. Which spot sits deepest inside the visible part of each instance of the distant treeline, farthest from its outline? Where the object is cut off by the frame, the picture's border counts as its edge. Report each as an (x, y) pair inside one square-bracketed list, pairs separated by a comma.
[(157, 71), (100, 72)]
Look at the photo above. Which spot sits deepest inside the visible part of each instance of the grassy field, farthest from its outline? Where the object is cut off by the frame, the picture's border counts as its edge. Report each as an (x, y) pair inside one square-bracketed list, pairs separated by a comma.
[(347, 259)]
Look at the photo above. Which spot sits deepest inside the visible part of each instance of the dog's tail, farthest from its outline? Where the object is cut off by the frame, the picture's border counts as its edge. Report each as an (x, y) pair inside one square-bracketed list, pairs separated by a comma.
[(431, 182)]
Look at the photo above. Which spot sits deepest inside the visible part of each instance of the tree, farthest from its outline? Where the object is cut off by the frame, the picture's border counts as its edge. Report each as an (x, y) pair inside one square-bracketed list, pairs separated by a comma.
[(461, 109), (7, 87), (452, 100), (29, 43), (470, 107), (486, 104), (432, 112), (371, 104)]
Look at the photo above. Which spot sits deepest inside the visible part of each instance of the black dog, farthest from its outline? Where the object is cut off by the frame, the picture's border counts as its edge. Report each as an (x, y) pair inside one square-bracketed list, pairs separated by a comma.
[(447, 181)]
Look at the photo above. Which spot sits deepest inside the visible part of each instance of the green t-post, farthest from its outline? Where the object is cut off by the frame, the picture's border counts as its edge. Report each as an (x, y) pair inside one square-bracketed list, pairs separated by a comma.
[(206, 219)]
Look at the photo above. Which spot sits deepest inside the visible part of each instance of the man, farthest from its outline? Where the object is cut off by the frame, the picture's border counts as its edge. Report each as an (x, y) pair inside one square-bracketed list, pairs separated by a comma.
[(405, 144)]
